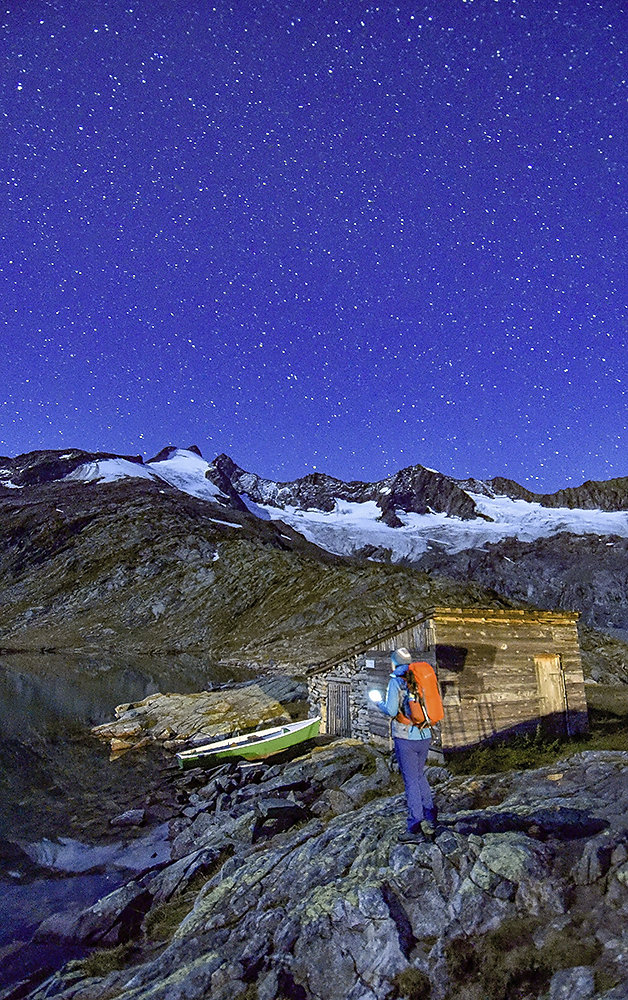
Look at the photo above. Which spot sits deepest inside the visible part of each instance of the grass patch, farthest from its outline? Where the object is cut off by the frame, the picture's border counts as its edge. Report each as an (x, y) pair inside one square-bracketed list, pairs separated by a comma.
[(162, 921), (250, 993), (607, 699), (411, 984), (506, 963), (519, 753), (101, 963), (369, 765), (608, 716)]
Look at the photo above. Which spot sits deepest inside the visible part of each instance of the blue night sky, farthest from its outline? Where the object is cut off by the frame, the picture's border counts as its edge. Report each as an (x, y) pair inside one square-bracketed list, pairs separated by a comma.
[(340, 236)]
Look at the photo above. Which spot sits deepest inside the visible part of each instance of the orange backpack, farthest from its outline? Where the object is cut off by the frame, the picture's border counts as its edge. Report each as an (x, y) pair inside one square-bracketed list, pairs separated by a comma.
[(422, 704)]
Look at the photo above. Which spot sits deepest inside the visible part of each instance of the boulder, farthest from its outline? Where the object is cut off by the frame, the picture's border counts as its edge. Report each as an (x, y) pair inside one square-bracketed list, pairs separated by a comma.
[(178, 718), (112, 920)]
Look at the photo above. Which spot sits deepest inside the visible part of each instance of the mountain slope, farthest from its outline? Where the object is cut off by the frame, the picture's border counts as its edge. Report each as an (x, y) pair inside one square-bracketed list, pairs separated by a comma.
[(128, 564), (588, 573), (179, 553)]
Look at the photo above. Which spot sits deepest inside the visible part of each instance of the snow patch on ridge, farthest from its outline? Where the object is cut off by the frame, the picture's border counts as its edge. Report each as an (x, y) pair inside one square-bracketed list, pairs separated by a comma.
[(182, 469), (351, 526), (107, 470), (186, 470)]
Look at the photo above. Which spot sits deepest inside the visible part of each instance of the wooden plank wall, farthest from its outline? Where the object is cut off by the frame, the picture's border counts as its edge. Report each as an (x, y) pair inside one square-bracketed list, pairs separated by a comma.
[(418, 638), (487, 673)]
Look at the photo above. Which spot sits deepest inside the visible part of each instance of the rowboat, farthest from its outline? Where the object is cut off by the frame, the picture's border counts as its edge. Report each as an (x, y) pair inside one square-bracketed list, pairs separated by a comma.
[(250, 746)]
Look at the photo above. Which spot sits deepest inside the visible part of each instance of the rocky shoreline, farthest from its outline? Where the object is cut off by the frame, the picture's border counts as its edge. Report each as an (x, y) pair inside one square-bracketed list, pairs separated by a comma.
[(287, 880), (170, 720)]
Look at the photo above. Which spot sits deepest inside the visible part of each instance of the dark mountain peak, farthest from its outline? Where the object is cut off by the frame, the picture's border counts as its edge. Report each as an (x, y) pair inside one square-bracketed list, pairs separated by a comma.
[(223, 473), (163, 455), (421, 490), (35, 467), (611, 494), (225, 465), (169, 450), (509, 488)]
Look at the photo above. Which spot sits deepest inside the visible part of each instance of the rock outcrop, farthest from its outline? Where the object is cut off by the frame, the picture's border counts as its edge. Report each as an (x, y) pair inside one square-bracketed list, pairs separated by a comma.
[(291, 882), (415, 489), (173, 719)]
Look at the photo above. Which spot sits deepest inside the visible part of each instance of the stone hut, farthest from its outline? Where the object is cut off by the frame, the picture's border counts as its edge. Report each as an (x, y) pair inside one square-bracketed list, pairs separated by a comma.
[(501, 672)]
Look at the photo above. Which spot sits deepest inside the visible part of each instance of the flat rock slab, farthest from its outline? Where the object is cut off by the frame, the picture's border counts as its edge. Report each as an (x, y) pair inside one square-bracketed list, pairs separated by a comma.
[(175, 718)]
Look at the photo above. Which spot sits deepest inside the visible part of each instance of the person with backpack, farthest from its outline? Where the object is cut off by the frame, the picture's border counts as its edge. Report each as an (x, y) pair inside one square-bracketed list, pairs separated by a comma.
[(413, 702)]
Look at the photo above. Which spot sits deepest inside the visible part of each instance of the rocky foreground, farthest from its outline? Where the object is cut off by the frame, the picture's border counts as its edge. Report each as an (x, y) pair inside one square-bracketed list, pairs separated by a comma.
[(287, 880)]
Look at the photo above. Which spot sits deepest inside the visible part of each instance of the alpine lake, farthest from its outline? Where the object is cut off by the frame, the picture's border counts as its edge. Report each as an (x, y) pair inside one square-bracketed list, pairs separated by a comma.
[(59, 790)]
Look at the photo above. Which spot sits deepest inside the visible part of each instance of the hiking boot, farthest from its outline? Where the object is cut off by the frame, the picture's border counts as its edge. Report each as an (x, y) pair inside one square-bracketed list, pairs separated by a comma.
[(412, 837)]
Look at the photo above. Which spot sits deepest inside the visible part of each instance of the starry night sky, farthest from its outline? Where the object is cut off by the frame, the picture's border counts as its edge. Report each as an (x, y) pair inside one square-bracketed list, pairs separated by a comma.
[(340, 236)]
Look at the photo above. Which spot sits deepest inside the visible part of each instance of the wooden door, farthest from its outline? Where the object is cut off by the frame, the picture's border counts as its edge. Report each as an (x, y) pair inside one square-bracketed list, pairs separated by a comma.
[(338, 710), (551, 690)]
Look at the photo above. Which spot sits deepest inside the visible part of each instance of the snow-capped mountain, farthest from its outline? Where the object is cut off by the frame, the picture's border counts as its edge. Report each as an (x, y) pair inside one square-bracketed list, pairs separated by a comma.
[(177, 550), (398, 518), (417, 509), (184, 469)]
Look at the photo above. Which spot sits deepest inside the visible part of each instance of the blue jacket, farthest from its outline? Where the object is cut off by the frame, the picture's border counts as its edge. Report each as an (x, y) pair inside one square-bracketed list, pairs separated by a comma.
[(395, 694)]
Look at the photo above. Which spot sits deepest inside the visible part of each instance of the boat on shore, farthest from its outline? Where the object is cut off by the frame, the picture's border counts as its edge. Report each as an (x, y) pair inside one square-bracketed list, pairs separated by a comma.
[(250, 746)]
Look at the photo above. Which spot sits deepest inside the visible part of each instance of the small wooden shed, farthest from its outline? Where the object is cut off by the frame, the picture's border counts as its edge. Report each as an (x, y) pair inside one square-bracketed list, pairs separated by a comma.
[(501, 672)]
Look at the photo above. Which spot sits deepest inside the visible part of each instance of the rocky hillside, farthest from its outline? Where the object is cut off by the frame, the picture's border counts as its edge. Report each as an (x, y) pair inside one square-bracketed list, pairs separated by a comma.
[(105, 551), (289, 881), (143, 566), (586, 572)]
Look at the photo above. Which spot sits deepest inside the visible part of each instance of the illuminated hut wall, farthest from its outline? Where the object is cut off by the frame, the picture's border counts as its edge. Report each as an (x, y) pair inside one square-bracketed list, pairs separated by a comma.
[(501, 672)]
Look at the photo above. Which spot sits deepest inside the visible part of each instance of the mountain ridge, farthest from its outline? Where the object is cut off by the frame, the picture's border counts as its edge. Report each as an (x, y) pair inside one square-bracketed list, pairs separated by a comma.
[(104, 551), (416, 488)]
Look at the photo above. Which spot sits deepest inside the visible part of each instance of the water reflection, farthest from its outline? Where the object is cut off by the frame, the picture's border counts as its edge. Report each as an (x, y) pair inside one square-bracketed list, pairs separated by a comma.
[(45, 692), (58, 789), (49, 763)]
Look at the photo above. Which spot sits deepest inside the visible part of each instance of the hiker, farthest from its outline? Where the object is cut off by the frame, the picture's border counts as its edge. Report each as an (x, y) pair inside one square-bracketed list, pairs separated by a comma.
[(412, 743)]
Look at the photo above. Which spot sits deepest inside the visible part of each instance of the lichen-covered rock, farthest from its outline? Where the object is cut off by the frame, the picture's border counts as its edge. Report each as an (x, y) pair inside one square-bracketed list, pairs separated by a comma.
[(573, 984), (334, 906)]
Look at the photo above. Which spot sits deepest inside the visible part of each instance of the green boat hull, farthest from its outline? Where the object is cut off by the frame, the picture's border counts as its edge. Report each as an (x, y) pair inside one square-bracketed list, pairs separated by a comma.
[(254, 747)]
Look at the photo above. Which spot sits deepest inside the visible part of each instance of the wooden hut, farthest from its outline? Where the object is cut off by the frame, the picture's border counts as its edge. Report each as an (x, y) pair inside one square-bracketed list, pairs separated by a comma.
[(501, 672)]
